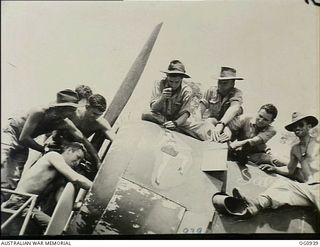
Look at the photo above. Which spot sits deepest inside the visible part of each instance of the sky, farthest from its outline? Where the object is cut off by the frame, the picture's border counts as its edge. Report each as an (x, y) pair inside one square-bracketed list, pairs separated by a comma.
[(53, 45)]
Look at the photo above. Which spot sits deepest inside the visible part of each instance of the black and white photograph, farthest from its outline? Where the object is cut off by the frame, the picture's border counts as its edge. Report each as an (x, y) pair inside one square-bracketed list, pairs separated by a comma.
[(160, 119)]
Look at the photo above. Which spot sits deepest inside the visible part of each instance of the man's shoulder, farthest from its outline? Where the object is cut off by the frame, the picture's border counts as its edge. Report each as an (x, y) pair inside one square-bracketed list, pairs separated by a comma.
[(50, 155), (212, 89), (247, 120), (295, 147), (271, 128), (100, 124), (185, 88), (160, 82), (37, 111)]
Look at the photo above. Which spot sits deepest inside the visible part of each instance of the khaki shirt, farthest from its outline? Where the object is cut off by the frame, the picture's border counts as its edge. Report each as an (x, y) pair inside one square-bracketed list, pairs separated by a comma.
[(177, 105), (248, 130), (217, 104)]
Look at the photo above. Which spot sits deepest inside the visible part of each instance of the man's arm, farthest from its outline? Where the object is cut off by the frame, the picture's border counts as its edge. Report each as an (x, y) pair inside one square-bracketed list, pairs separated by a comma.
[(157, 97), (106, 128), (182, 119), (62, 167), (202, 108), (231, 112), (179, 121), (30, 125), (287, 171), (227, 117), (252, 141), (184, 112), (77, 134)]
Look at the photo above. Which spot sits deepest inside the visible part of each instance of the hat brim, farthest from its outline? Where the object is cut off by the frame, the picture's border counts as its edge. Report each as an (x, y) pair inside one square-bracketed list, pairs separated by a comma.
[(64, 104), (175, 72), (310, 120), (229, 78)]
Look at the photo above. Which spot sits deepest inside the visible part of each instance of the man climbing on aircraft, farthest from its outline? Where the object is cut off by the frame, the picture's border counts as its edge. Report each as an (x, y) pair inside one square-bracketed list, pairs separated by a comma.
[(170, 103), (19, 135), (50, 168), (252, 136), (223, 103)]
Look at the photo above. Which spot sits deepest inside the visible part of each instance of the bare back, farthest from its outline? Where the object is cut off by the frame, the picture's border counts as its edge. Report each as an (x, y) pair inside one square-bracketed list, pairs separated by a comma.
[(37, 178)]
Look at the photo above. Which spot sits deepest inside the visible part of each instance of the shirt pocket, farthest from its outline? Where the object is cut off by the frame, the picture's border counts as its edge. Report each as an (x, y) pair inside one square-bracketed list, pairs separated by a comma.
[(214, 106)]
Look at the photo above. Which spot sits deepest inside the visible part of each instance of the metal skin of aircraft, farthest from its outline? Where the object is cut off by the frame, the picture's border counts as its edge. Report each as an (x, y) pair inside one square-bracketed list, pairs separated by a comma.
[(157, 181), (154, 183)]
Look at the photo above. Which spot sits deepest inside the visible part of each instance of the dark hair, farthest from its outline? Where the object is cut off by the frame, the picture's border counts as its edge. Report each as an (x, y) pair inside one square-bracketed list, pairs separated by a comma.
[(73, 146), (83, 91), (270, 109), (98, 101)]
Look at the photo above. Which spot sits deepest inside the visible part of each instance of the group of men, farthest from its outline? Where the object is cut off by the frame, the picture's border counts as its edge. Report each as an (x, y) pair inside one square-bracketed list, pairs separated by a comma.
[(246, 137), (68, 122), (76, 115)]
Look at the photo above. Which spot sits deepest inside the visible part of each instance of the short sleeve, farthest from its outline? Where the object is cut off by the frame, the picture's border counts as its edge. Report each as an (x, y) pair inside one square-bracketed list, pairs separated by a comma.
[(186, 101), (206, 97), (156, 92), (237, 96)]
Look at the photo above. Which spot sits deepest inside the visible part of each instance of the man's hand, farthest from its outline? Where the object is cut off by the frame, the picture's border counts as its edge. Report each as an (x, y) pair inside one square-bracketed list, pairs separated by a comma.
[(267, 168), (235, 145), (166, 93), (216, 132), (170, 125), (224, 137)]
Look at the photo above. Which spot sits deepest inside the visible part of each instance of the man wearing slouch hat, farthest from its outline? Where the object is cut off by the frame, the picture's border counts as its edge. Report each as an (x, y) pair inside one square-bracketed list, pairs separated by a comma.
[(223, 103), (18, 136), (170, 102)]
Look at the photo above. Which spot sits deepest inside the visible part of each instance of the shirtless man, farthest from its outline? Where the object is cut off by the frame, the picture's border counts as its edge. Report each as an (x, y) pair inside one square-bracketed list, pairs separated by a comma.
[(44, 172), (88, 119), (19, 135), (289, 192)]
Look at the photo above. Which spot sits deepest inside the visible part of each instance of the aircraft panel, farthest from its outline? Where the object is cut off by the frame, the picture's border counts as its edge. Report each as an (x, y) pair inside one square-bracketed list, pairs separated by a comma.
[(169, 163), (137, 210)]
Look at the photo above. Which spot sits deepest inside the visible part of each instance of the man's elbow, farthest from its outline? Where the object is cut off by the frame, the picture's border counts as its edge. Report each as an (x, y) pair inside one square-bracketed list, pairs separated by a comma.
[(24, 140), (80, 182), (235, 107)]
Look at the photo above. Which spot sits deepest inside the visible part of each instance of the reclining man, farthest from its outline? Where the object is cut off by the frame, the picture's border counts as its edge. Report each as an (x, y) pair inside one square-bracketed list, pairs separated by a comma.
[(252, 136), (170, 103), (19, 135), (224, 104), (287, 191), (44, 173)]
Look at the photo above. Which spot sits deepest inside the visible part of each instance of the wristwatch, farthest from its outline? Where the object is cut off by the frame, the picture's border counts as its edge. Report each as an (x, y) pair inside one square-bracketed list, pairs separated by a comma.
[(46, 149), (224, 125)]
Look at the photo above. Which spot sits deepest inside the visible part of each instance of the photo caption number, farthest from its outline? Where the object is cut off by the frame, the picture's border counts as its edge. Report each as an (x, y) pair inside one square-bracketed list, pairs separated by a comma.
[(308, 243), (192, 230)]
